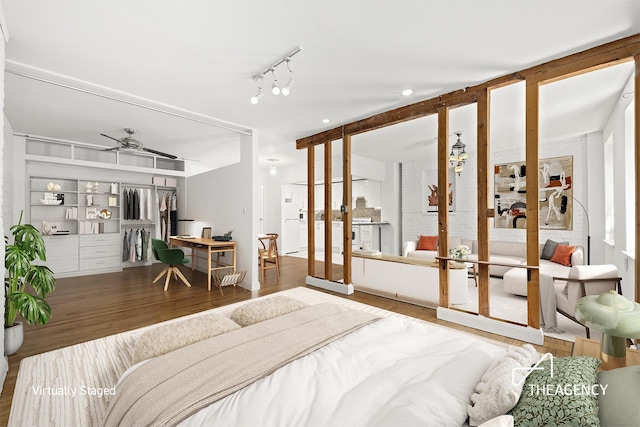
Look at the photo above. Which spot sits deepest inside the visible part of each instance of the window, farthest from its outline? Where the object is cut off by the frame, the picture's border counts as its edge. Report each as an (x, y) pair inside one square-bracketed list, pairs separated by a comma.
[(608, 189)]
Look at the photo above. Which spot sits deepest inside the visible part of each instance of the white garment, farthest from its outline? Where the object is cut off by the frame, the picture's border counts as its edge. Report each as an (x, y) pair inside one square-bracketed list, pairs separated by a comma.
[(142, 202), (148, 198)]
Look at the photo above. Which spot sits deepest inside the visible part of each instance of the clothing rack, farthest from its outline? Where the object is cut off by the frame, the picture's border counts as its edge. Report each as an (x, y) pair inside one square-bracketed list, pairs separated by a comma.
[(136, 244)]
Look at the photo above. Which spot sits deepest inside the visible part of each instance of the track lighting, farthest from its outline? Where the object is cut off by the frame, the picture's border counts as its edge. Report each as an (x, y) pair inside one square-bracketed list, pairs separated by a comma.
[(256, 98), (275, 89), (287, 89)]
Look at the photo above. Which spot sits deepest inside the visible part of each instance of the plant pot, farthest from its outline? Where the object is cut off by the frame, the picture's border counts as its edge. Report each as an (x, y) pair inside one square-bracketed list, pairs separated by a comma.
[(13, 337)]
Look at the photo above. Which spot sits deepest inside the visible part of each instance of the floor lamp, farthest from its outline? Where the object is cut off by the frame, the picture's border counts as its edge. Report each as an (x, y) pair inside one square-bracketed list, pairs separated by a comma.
[(588, 231)]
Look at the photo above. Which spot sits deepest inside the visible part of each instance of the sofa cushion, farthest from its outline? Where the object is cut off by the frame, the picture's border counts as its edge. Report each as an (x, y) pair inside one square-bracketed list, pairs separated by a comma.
[(550, 248), (562, 255), (427, 243)]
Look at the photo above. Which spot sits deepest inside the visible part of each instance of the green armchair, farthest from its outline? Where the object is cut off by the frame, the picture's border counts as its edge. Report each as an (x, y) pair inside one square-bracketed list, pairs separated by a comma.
[(170, 256)]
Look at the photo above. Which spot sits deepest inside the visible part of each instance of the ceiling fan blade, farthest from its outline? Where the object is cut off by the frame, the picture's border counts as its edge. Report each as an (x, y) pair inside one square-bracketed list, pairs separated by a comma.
[(112, 149), (160, 153), (110, 137)]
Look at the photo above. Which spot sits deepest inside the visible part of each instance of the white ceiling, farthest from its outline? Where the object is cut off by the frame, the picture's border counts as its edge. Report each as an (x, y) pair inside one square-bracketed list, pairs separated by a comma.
[(196, 59)]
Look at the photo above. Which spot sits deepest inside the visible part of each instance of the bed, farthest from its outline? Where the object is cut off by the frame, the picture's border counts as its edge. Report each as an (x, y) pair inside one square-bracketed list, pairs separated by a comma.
[(327, 361)]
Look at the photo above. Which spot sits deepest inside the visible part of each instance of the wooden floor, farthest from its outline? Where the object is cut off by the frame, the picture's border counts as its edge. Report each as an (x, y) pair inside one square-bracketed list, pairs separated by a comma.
[(91, 307)]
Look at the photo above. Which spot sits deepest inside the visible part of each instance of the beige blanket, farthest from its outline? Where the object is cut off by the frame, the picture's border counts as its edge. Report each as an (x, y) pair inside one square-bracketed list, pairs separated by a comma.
[(174, 386)]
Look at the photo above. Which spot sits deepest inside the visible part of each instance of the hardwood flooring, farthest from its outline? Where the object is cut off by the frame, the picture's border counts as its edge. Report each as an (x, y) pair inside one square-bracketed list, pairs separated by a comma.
[(91, 307)]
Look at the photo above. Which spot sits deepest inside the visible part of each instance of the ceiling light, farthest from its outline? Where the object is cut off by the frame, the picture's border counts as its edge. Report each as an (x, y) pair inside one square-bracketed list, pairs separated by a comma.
[(275, 89), (287, 89), (272, 168), (458, 155), (325, 121), (256, 98), (407, 92)]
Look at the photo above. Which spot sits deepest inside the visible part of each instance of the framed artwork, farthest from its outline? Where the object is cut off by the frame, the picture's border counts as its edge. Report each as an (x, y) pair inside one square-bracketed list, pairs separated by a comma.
[(92, 213), (555, 200), (430, 191)]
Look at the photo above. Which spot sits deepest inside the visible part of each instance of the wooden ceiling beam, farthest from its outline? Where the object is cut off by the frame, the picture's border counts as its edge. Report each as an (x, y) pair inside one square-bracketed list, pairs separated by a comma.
[(578, 63)]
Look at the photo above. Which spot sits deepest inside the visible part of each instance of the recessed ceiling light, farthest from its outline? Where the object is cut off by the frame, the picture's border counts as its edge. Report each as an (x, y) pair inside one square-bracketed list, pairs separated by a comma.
[(407, 92), (325, 121)]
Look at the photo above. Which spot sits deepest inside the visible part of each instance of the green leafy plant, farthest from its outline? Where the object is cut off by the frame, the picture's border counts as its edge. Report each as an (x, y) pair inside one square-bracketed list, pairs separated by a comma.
[(28, 245)]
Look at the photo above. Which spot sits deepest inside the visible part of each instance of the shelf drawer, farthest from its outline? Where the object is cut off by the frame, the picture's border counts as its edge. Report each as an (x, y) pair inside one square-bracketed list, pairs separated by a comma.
[(89, 264), (87, 252), (100, 239)]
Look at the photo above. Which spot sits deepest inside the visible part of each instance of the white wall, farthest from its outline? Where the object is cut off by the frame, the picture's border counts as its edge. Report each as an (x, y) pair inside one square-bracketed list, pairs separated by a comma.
[(228, 199), (613, 253), (463, 221), (6, 130)]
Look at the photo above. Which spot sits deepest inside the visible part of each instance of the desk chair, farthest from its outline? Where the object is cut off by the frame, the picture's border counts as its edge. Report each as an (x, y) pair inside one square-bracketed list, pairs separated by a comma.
[(268, 254), (170, 256)]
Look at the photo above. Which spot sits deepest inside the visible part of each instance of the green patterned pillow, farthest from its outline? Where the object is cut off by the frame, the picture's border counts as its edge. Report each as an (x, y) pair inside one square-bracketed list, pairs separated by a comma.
[(568, 398)]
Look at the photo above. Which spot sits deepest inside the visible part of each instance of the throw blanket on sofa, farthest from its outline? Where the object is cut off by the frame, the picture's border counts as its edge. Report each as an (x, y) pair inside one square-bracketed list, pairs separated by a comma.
[(171, 387)]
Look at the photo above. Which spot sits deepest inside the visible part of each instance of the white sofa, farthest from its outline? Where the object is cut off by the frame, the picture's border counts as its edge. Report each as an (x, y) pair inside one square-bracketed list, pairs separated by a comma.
[(508, 255)]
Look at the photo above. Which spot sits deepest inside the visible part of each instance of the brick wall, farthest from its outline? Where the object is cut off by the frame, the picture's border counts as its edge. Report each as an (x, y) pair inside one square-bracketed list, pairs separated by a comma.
[(463, 221)]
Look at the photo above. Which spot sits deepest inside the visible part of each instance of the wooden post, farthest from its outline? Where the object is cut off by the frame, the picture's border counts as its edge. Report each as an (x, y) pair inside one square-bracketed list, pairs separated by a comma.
[(443, 203), (311, 194), (328, 242), (531, 162), (346, 202), (484, 193)]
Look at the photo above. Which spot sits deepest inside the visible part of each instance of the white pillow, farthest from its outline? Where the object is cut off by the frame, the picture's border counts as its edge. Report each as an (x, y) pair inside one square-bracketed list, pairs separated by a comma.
[(500, 421), (265, 309), (496, 392), (171, 336)]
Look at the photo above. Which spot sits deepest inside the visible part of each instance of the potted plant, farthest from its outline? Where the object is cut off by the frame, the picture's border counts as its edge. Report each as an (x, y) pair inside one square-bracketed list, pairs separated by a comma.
[(22, 278)]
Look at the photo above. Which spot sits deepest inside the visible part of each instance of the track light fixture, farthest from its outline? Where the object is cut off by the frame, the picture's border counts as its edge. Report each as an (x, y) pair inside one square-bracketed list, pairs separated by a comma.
[(287, 89), (256, 98), (458, 155), (275, 89)]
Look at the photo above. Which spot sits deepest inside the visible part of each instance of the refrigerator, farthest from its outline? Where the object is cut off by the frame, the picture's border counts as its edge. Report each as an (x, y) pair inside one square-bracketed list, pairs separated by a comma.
[(290, 228)]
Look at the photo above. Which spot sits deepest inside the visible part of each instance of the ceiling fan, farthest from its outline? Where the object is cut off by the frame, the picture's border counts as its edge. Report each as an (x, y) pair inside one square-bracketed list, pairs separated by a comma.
[(130, 143)]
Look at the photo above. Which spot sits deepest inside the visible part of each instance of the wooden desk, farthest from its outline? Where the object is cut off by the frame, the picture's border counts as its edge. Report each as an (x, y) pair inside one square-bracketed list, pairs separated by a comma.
[(586, 347), (209, 246)]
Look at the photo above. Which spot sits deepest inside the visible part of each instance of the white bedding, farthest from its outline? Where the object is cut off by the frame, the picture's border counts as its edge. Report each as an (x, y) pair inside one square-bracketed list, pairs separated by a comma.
[(393, 372)]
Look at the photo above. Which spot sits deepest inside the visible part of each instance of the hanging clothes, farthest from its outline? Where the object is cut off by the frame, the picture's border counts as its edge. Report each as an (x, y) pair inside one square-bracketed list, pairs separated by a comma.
[(125, 203), (148, 208), (168, 217), (125, 247), (174, 215), (132, 246), (143, 202), (163, 221), (139, 245), (145, 245), (157, 231)]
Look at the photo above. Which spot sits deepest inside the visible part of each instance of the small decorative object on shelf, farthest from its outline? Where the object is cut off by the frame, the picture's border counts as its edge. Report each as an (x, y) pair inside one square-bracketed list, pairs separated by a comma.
[(459, 252), (104, 214), (88, 188)]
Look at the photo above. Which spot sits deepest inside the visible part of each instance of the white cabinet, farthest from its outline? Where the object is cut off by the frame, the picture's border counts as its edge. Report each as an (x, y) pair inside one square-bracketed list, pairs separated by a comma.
[(62, 254), (100, 252)]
